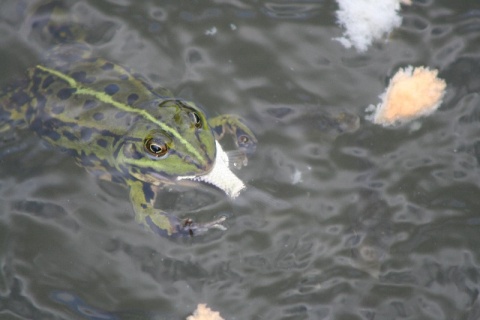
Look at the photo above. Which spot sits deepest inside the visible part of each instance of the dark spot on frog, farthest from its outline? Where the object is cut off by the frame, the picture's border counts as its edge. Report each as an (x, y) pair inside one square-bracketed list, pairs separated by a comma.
[(36, 125), (20, 98), (70, 136), (79, 76), (41, 102), (106, 133), (111, 89), (102, 143), (147, 191), (89, 104), (47, 82), (50, 128), (65, 93), (53, 135), (98, 116), (107, 66), (124, 77), (32, 110), (85, 133), (36, 81), (87, 161), (132, 98), (58, 109), (120, 114)]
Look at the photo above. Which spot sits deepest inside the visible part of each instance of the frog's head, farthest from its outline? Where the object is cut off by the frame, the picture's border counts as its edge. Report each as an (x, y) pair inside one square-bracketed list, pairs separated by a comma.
[(172, 139)]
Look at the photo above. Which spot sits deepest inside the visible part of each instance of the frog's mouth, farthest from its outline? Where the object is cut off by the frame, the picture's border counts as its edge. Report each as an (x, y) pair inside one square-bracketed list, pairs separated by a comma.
[(220, 176)]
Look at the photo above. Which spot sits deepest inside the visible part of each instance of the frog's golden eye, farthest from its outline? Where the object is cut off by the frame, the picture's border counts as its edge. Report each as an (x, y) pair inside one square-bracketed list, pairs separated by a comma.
[(155, 147), (197, 121)]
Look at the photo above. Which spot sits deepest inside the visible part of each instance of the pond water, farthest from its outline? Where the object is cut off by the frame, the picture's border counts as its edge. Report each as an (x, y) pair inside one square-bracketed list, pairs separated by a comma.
[(339, 221)]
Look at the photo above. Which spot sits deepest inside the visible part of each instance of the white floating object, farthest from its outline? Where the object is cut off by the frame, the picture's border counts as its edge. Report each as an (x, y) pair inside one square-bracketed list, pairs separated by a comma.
[(204, 313), (366, 21), (411, 94), (211, 32)]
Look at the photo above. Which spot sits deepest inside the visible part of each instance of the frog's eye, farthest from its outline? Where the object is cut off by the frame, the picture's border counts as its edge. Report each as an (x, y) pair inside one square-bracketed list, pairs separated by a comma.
[(197, 121), (155, 147), (243, 139)]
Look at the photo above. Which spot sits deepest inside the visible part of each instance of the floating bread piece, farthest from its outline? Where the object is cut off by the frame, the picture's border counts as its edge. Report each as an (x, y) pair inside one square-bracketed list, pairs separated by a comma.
[(221, 176), (204, 313), (366, 21), (412, 93)]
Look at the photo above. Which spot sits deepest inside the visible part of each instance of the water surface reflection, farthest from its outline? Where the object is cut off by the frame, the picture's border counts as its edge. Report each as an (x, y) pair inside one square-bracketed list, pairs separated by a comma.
[(342, 219)]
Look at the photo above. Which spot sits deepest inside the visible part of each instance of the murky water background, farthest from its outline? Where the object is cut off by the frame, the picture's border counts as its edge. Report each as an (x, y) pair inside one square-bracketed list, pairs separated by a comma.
[(372, 224)]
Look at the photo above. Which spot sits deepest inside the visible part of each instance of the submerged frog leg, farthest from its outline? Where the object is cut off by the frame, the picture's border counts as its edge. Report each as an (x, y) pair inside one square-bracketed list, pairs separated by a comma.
[(160, 222), (16, 106), (51, 22)]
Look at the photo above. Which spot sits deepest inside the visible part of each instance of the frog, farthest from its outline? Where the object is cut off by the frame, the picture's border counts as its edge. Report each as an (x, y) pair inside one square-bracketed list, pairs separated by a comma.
[(121, 128)]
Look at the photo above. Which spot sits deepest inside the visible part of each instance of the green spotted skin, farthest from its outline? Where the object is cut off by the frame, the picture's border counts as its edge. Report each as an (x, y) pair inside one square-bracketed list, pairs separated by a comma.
[(105, 116)]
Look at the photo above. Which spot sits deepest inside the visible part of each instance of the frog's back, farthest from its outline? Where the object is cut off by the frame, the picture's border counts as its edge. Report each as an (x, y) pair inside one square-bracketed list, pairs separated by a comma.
[(86, 106), (88, 90), (70, 85)]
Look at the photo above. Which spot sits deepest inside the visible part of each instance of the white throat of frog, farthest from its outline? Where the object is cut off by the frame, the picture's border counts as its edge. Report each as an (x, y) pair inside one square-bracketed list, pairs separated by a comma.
[(220, 176)]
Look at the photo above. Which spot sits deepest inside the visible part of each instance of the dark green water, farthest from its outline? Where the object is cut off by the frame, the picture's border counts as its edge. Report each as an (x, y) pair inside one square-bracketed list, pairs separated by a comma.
[(373, 224)]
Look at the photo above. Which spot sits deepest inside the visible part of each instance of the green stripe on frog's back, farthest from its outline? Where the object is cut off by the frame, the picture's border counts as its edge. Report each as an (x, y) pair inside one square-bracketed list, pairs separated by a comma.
[(78, 88)]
